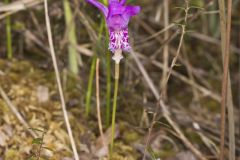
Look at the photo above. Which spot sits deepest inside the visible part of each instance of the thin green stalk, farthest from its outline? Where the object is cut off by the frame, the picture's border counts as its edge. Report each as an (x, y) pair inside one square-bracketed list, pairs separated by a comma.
[(91, 77), (108, 69), (108, 95), (108, 72), (9, 35), (89, 89), (213, 21), (41, 145), (117, 68), (72, 39), (105, 2)]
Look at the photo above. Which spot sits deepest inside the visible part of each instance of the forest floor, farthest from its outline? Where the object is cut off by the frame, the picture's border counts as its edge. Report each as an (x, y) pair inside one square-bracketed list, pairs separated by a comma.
[(33, 92)]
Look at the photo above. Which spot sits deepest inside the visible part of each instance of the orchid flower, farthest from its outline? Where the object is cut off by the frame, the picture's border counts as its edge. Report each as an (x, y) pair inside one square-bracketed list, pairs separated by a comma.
[(117, 15)]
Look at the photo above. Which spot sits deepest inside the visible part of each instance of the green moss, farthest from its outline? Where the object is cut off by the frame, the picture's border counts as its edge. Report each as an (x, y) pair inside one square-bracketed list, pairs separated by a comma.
[(12, 155), (193, 137), (165, 153), (124, 152), (130, 136), (210, 105)]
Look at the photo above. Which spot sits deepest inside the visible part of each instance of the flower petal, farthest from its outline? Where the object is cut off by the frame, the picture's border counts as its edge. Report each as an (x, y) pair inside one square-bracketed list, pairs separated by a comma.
[(132, 10), (112, 1), (116, 8), (119, 40), (100, 6)]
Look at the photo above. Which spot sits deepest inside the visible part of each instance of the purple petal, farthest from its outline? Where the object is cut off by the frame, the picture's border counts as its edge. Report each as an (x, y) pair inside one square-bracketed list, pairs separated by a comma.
[(119, 40), (118, 22), (132, 10), (100, 6), (112, 1), (116, 9)]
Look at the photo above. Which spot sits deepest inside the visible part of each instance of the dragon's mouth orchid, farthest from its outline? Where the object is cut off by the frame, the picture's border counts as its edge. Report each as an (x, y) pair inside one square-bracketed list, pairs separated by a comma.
[(117, 15)]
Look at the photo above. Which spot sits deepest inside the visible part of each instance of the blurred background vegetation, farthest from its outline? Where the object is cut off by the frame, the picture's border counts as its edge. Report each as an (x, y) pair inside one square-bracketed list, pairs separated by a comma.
[(80, 36)]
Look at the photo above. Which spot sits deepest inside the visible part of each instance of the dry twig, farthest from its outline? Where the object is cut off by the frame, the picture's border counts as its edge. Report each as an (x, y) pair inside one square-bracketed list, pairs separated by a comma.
[(16, 112), (205, 91), (98, 106), (165, 48), (164, 108), (25, 3), (66, 119), (225, 81)]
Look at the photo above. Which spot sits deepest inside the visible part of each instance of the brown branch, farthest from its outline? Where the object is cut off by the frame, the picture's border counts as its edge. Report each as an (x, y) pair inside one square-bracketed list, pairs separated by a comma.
[(59, 84), (225, 78), (16, 112), (164, 109), (98, 106)]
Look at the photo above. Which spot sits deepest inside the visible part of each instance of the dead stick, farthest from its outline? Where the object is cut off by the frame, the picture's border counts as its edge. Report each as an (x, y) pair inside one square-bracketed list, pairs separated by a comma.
[(165, 109), (225, 79), (57, 74), (98, 105), (16, 112)]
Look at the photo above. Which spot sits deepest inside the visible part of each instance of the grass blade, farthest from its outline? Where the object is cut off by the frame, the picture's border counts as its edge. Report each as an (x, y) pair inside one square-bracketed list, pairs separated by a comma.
[(89, 89), (9, 35), (72, 39)]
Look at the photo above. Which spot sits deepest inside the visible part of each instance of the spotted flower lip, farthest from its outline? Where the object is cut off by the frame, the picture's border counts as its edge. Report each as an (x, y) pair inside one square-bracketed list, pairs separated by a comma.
[(117, 15)]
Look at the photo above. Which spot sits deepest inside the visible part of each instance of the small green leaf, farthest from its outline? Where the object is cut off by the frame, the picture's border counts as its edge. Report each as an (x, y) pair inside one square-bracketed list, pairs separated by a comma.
[(163, 124), (198, 3), (196, 7), (178, 65), (47, 148), (38, 130), (131, 1), (151, 152), (182, 8), (31, 158), (37, 141)]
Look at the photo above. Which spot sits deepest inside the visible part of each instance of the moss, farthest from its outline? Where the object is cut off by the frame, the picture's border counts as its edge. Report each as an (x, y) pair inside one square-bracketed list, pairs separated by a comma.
[(124, 152), (165, 153), (210, 105), (193, 136), (130, 136), (12, 155)]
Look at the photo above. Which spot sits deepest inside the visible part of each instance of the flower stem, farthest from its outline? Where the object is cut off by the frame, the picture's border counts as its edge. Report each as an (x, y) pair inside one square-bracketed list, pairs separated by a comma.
[(72, 39), (91, 76), (109, 75), (90, 82), (108, 94), (9, 35), (117, 68)]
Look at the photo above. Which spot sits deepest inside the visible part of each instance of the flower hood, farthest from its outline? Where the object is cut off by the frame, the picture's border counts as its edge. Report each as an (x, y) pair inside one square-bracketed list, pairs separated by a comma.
[(117, 15)]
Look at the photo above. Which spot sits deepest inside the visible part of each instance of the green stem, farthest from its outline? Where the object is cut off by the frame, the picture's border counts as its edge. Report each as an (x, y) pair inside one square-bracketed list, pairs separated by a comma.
[(108, 95), (91, 76), (72, 39), (90, 82), (105, 2), (108, 69), (117, 68), (9, 36), (41, 146)]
